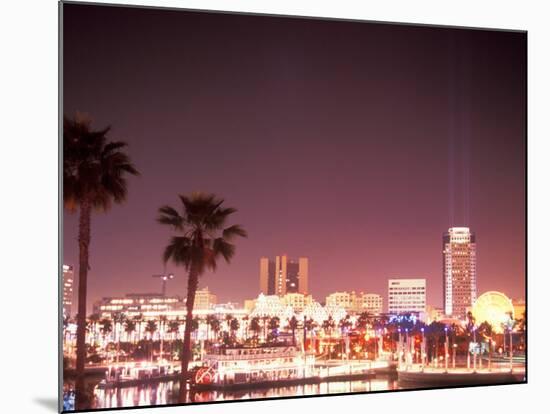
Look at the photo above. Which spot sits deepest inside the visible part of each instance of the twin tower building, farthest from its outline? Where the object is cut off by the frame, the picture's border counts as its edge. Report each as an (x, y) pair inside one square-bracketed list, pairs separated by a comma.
[(284, 275)]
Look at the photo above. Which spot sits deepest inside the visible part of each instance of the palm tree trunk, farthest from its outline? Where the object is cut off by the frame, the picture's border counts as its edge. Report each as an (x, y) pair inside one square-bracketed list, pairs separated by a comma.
[(82, 402), (192, 285)]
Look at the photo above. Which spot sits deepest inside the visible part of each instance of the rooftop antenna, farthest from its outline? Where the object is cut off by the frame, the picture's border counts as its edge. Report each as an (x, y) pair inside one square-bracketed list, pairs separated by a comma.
[(164, 277)]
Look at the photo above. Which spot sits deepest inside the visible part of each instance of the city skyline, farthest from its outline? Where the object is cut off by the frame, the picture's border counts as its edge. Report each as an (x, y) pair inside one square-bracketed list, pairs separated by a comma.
[(350, 156)]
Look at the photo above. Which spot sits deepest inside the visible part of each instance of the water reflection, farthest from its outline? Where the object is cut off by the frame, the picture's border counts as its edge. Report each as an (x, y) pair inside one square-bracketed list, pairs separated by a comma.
[(167, 392)]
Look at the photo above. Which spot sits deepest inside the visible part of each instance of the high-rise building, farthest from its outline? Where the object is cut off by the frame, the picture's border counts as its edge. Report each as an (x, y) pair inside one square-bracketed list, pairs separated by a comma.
[(459, 271), (406, 296), (68, 283), (283, 275)]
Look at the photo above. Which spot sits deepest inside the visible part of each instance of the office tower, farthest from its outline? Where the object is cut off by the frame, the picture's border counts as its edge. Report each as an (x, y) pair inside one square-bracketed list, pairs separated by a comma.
[(459, 271), (406, 296), (68, 283), (281, 276)]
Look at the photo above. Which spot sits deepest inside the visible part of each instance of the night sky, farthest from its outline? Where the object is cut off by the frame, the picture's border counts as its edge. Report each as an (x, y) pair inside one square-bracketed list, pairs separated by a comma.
[(354, 144)]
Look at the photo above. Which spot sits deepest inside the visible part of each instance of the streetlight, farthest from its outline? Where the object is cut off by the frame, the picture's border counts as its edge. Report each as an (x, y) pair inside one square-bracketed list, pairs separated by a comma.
[(446, 350)]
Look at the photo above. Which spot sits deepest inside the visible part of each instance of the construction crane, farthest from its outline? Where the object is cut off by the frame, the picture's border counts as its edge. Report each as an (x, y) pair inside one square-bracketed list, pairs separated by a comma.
[(164, 278)]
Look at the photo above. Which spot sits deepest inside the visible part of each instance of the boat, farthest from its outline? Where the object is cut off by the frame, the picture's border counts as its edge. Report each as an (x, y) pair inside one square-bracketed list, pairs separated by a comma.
[(245, 367), (439, 377), (136, 374)]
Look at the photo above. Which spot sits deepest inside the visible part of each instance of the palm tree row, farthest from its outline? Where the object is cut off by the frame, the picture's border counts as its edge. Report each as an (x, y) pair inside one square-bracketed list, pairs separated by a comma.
[(95, 172)]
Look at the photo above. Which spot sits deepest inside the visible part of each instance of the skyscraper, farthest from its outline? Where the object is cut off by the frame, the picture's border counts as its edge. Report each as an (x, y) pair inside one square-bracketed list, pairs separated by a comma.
[(459, 271), (283, 276), (68, 282)]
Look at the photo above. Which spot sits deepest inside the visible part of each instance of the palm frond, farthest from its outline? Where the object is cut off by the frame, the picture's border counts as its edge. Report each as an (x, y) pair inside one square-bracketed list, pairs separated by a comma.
[(231, 232), (170, 216)]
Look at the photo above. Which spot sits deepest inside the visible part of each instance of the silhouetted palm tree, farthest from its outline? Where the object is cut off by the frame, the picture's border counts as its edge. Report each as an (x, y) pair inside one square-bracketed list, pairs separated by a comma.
[(201, 240), (94, 176), (214, 324), (151, 328), (234, 326), (328, 325), (293, 325), (118, 319), (130, 328), (255, 326)]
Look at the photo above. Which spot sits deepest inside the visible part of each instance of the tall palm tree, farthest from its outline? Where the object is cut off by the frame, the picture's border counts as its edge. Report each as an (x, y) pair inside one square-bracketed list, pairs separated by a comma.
[(201, 239), (94, 176)]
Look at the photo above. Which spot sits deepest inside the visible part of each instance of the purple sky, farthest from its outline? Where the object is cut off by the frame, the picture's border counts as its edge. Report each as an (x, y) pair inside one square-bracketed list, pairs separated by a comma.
[(354, 144)]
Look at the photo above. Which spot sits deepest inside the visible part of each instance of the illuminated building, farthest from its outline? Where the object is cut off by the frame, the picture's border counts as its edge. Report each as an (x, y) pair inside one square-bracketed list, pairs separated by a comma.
[(346, 300), (356, 302), (495, 308), (271, 306), (297, 301), (283, 275), (432, 314), (204, 299), (371, 303), (68, 283), (459, 271), (406, 296), (519, 308), (137, 303)]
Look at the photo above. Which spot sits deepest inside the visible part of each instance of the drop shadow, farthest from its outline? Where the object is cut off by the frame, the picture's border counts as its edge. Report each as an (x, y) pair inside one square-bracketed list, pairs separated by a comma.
[(49, 403)]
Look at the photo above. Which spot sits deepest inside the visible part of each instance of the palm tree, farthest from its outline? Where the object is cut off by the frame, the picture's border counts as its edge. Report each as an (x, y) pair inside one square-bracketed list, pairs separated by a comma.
[(94, 319), (173, 328), (129, 327), (328, 325), (363, 321), (255, 326), (94, 176), (213, 323), (293, 325), (118, 319), (265, 318), (200, 241), (151, 328), (138, 320), (106, 329), (228, 319), (245, 320), (310, 325), (209, 321), (234, 326)]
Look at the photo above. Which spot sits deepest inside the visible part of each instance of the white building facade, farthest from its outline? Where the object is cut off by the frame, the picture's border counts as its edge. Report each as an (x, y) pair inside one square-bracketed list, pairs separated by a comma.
[(406, 296)]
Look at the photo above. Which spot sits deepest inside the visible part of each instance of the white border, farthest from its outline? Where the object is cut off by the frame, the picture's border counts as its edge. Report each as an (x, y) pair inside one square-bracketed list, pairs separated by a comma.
[(28, 33)]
